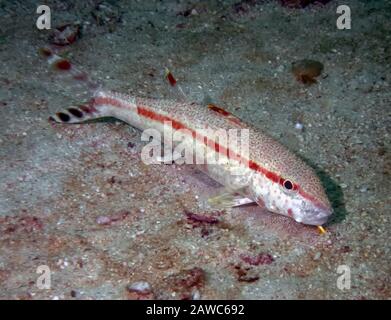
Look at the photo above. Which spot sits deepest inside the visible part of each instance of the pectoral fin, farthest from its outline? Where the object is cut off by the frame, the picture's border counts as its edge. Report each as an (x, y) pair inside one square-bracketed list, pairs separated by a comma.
[(230, 198), (242, 201)]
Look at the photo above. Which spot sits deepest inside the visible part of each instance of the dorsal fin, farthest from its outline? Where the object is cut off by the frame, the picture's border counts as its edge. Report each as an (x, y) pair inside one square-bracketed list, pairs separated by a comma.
[(224, 113), (175, 88)]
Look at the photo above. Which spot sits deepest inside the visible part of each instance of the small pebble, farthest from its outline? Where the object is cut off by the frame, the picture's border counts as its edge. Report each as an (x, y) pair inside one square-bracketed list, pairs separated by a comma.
[(141, 287), (103, 220), (196, 295), (307, 70), (299, 126)]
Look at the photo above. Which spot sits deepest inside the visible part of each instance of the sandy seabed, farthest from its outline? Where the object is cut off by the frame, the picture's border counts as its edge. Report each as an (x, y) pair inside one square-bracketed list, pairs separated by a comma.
[(79, 200)]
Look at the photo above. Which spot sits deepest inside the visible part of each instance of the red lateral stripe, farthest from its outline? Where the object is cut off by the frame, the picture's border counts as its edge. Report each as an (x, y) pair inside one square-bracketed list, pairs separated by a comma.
[(145, 112), (312, 199), (150, 114), (177, 125), (112, 102), (107, 101), (142, 111), (268, 174)]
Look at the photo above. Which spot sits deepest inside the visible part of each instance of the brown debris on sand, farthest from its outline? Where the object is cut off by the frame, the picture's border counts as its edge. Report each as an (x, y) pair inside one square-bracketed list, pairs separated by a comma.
[(307, 70)]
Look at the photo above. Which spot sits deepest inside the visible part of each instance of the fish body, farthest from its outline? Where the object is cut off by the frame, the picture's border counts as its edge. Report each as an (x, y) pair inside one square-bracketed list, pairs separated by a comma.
[(268, 173), (272, 176)]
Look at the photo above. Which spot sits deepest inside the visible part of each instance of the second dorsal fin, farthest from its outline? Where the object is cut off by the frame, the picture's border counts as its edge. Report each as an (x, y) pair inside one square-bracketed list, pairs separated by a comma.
[(224, 113)]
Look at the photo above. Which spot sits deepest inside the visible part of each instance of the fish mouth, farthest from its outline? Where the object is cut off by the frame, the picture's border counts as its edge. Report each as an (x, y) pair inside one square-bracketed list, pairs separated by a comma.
[(318, 221), (315, 216)]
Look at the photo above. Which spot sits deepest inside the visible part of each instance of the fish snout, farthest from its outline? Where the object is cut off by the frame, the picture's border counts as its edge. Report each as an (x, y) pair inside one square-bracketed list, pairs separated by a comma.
[(314, 215)]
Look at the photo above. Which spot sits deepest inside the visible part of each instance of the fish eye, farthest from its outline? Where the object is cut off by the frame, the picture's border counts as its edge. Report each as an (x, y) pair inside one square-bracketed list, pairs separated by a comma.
[(288, 184)]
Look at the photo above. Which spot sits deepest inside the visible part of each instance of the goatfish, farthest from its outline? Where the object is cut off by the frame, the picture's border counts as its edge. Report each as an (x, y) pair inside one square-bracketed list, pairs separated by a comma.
[(270, 175)]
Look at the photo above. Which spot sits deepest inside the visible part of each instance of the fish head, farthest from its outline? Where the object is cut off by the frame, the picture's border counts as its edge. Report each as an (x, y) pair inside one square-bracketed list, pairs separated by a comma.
[(295, 192)]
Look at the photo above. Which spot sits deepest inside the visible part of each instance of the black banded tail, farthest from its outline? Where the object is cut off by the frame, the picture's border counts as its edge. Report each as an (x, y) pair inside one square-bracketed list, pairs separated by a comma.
[(77, 114)]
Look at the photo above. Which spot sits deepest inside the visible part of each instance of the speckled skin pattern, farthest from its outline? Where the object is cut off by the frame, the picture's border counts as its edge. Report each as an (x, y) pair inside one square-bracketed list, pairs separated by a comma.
[(272, 176)]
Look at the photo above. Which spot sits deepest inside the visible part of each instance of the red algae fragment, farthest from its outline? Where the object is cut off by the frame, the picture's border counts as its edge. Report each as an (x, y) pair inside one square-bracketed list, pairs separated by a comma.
[(190, 278), (201, 218), (206, 223), (246, 274), (260, 259), (25, 224), (186, 283)]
